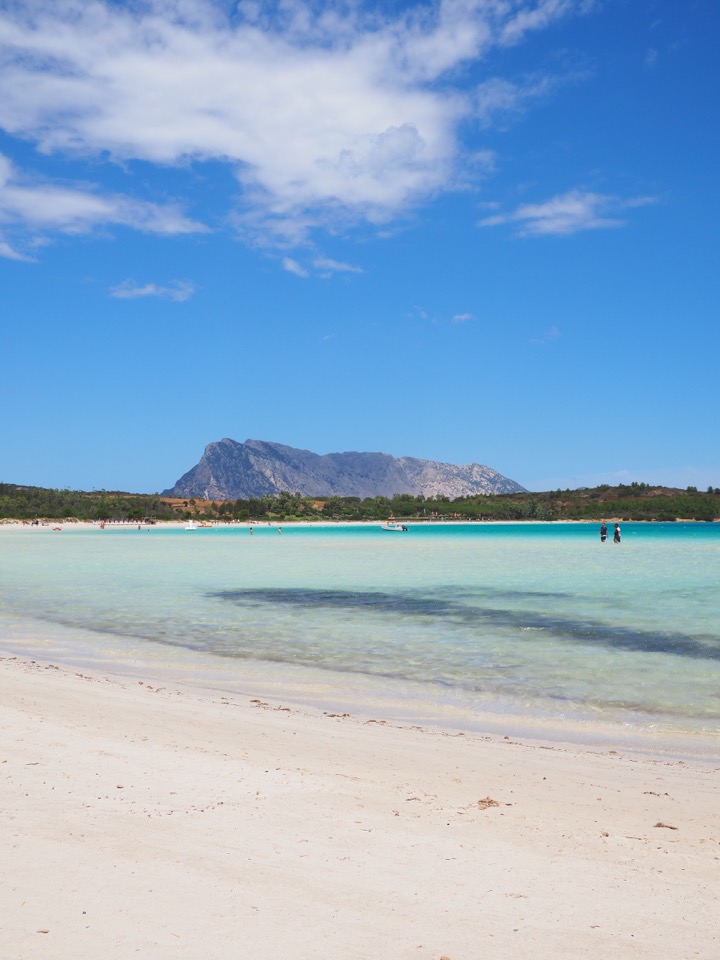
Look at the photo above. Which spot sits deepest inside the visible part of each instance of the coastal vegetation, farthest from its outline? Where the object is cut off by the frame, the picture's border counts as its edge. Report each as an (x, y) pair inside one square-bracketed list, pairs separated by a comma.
[(30, 503), (635, 501)]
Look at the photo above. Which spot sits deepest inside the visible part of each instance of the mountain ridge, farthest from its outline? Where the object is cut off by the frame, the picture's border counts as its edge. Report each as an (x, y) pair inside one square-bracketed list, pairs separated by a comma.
[(229, 470)]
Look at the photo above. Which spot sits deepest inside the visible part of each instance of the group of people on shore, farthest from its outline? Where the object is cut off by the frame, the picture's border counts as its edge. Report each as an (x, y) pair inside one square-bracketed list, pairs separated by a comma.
[(604, 533)]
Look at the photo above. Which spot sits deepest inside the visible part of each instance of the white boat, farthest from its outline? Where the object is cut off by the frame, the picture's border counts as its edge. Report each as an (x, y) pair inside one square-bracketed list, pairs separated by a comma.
[(191, 526), (394, 526)]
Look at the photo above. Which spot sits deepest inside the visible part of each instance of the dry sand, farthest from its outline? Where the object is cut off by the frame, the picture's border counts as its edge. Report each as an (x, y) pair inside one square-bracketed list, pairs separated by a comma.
[(141, 820)]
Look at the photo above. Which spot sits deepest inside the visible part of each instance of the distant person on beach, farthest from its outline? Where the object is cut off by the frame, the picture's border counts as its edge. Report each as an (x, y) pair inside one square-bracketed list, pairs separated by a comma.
[(603, 532), (616, 538)]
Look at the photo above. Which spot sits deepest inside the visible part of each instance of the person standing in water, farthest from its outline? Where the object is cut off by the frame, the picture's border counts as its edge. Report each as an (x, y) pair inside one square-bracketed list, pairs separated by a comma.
[(603, 532), (616, 538)]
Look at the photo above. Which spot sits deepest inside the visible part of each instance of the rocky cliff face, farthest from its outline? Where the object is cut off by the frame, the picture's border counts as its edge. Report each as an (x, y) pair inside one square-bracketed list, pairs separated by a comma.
[(229, 470)]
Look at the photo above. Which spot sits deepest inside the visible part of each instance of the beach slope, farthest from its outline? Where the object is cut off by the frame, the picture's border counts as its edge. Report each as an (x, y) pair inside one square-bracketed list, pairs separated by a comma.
[(176, 822)]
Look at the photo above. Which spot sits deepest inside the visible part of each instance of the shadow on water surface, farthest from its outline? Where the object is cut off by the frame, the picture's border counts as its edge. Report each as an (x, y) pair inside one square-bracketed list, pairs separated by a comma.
[(424, 606)]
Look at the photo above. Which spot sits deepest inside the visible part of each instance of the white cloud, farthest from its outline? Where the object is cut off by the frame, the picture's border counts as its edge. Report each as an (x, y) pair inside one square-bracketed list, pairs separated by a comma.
[(292, 266), (178, 290), (538, 16), (567, 213), (463, 317), (328, 266), (495, 96), (498, 97), (328, 114), (38, 205), (10, 253), (325, 266)]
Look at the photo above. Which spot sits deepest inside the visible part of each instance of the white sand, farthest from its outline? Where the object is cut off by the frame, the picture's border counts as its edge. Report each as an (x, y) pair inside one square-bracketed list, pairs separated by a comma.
[(177, 823)]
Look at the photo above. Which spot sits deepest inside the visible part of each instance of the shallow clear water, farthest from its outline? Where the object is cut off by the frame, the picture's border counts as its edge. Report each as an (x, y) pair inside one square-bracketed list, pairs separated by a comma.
[(518, 620)]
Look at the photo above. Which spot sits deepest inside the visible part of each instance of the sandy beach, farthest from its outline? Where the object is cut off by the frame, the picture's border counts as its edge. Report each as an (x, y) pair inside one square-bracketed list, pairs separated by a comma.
[(155, 820)]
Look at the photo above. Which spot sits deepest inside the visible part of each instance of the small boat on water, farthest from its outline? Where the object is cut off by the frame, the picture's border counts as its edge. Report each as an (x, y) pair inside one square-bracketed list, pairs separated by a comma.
[(394, 526), (191, 526)]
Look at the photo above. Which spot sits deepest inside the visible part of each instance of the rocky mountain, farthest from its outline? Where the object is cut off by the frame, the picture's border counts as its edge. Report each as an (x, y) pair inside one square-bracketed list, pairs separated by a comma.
[(229, 470)]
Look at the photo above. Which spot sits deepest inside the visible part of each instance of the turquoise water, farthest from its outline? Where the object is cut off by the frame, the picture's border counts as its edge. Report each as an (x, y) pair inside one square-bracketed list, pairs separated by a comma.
[(444, 623)]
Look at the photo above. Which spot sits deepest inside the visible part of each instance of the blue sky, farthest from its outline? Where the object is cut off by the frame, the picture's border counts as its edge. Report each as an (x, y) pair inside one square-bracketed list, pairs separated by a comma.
[(467, 231)]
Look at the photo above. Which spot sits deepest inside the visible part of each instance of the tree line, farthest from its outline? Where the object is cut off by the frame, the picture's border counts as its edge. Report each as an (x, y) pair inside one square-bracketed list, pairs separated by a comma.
[(635, 501), (42, 503)]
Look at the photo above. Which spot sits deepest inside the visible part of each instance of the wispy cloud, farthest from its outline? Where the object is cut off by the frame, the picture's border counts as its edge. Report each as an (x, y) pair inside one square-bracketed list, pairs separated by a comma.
[(177, 290), (324, 266), (499, 97), (567, 213), (525, 18), (327, 115), (420, 313), (9, 253), (549, 336), (38, 205), (292, 266), (327, 266)]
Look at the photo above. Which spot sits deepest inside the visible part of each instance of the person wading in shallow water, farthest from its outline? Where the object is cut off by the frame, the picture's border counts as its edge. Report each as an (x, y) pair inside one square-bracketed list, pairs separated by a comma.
[(616, 537), (603, 532)]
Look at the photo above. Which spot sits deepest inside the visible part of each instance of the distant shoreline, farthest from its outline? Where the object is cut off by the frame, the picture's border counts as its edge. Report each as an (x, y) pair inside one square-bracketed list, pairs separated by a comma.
[(70, 524)]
